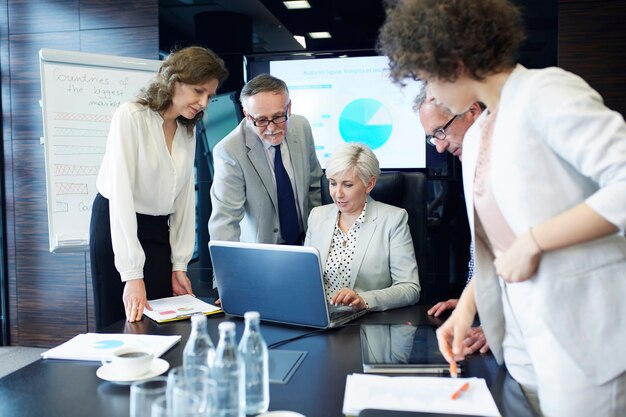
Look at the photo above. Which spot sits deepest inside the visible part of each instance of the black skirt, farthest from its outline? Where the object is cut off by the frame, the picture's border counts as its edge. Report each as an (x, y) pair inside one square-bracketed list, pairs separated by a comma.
[(108, 288)]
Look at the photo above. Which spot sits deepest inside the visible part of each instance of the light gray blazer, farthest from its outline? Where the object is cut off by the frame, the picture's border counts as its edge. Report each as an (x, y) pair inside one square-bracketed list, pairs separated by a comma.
[(555, 145), (243, 194), (384, 270)]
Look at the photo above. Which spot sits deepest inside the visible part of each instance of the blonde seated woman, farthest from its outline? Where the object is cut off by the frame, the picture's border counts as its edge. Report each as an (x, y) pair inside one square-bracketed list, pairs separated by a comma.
[(365, 246)]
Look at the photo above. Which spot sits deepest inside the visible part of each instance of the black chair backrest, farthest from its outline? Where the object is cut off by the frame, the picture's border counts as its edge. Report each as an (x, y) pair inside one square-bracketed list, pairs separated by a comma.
[(405, 190)]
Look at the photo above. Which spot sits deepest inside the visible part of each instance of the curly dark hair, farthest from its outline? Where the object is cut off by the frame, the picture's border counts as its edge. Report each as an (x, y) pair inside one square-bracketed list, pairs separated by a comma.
[(439, 38), (191, 65)]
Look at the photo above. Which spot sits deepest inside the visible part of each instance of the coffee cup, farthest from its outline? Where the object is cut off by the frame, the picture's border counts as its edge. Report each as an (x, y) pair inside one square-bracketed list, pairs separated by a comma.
[(129, 362)]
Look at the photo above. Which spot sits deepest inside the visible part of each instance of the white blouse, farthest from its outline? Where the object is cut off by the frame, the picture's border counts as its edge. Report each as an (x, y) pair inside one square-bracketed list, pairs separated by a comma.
[(139, 175)]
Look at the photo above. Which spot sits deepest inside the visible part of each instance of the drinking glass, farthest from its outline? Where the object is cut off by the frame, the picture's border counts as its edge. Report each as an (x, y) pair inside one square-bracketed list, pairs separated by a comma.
[(160, 407), (144, 393), (191, 391)]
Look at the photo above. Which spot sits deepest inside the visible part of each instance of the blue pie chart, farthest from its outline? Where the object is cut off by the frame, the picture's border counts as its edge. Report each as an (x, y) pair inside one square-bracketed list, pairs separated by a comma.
[(366, 120), (108, 344)]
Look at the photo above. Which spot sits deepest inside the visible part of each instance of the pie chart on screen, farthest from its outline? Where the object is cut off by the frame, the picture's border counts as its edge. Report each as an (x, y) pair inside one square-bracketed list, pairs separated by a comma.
[(366, 120)]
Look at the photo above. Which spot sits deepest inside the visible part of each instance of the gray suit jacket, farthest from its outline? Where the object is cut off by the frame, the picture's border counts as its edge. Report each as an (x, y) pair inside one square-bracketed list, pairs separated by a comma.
[(555, 145), (384, 270), (243, 194)]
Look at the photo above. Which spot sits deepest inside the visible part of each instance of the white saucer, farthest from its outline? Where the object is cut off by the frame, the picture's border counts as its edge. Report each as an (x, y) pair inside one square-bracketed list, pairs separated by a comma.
[(158, 367)]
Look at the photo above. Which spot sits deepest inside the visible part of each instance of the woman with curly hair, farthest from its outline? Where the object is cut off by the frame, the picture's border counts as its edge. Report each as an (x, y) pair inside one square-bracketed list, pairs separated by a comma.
[(142, 231), (544, 172)]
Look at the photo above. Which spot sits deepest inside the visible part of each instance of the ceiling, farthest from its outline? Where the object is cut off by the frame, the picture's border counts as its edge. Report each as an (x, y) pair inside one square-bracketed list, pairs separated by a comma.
[(353, 24)]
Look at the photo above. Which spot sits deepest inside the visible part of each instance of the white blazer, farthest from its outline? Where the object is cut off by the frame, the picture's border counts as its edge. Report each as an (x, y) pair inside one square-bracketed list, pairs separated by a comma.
[(555, 145), (384, 270)]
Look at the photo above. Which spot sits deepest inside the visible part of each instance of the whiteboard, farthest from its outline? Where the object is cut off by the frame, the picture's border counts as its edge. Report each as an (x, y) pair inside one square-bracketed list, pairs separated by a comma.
[(80, 92)]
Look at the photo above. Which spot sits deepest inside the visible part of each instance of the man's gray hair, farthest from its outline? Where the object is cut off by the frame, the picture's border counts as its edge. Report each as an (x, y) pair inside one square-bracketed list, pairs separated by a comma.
[(262, 83), (420, 98), (355, 156), (423, 96)]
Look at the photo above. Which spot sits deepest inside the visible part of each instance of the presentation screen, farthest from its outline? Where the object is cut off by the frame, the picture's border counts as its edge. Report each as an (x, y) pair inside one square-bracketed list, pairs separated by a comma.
[(349, 99)]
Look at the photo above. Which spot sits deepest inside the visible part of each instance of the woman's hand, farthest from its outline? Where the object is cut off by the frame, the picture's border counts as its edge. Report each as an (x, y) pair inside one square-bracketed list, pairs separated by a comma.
[(181, 284), (520, 261), (346, 296), (443, 306), (453, 332), (135, 299)]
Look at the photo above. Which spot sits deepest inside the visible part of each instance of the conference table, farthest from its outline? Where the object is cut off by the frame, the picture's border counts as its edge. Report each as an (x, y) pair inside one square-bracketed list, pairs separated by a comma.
[(52, 387)]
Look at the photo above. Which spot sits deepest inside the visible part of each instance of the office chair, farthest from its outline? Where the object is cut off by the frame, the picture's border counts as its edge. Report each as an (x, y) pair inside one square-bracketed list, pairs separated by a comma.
[(405, 190)]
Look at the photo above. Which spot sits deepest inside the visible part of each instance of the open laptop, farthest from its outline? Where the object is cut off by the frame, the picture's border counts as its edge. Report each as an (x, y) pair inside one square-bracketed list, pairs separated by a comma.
[(402, 348), (283, 283)]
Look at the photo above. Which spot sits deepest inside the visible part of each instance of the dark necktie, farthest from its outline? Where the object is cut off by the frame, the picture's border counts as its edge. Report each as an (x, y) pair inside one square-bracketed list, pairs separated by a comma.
[(287, 214)]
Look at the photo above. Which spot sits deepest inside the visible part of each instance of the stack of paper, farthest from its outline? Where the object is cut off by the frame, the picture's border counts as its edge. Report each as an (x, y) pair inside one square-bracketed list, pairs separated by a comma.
[(425, 394), (100, 346), (178, 308)]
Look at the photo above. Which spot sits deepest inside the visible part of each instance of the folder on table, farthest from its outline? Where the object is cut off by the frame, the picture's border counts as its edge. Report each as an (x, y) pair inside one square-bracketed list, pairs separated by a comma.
[(179, 308)]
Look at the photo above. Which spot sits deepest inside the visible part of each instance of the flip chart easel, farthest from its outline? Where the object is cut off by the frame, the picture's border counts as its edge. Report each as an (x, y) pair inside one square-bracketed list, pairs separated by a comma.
[(80, 91)]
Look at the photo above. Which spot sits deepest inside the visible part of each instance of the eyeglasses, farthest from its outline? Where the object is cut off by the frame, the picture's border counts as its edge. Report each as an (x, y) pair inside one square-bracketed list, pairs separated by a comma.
[(266, 122), (439, 134)]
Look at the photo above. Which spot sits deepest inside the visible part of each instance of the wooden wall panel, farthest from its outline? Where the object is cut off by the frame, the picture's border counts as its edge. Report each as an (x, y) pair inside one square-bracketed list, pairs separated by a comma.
[(50, 295), (5, 95), (26, 205), (98, 14), (135, 42), (25, 78), (591, 40), (51, 292), (42, 16)]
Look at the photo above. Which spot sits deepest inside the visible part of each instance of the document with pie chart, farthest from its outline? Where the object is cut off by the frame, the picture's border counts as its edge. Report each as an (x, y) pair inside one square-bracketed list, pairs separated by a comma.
[(352, 100), (100, 346)]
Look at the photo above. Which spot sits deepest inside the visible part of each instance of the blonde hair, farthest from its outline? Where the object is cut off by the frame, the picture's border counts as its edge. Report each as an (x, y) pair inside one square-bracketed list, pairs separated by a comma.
[(356, 157)]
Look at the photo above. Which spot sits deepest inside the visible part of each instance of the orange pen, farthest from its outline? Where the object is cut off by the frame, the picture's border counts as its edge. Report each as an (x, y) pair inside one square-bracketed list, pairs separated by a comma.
[(458, 392), (453, 369)]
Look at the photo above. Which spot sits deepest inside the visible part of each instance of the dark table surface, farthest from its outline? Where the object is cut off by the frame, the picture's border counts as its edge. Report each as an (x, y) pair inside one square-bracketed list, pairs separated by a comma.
[(71, 388)]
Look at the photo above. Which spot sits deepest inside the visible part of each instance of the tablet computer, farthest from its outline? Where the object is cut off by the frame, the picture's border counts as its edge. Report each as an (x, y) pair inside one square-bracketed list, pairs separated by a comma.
[(370, 412), (402, 348)]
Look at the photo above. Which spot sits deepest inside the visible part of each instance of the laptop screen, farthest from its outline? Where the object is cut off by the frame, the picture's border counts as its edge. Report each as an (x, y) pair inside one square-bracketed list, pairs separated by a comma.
[(283, 283)]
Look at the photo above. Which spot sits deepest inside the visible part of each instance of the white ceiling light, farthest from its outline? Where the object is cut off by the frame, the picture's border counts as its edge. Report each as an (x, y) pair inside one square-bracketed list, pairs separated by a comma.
[(320, 35), (297, 4), (301, 40)]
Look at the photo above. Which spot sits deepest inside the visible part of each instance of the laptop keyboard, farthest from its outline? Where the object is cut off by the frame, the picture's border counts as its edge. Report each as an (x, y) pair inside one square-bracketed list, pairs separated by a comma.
[(336, 312)]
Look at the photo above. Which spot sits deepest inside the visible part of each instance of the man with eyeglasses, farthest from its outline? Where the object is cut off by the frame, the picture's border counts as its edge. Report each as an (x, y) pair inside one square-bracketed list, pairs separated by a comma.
[(267, 175), (445, 132)]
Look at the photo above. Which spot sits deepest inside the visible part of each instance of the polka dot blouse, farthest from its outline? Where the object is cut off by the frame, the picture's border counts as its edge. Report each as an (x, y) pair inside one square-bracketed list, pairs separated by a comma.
[(339, 261)]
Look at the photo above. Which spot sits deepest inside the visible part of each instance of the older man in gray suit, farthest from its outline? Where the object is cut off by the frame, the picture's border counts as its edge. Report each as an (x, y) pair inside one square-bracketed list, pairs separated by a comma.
[(267, 176)]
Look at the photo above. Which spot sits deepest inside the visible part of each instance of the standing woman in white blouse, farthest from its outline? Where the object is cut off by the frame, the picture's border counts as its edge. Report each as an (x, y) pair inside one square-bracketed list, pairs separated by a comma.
[(142, 230)]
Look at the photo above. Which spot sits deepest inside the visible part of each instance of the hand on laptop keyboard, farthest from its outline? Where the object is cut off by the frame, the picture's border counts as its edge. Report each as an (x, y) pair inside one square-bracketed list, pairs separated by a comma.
[(347, 297), (341, 308)]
